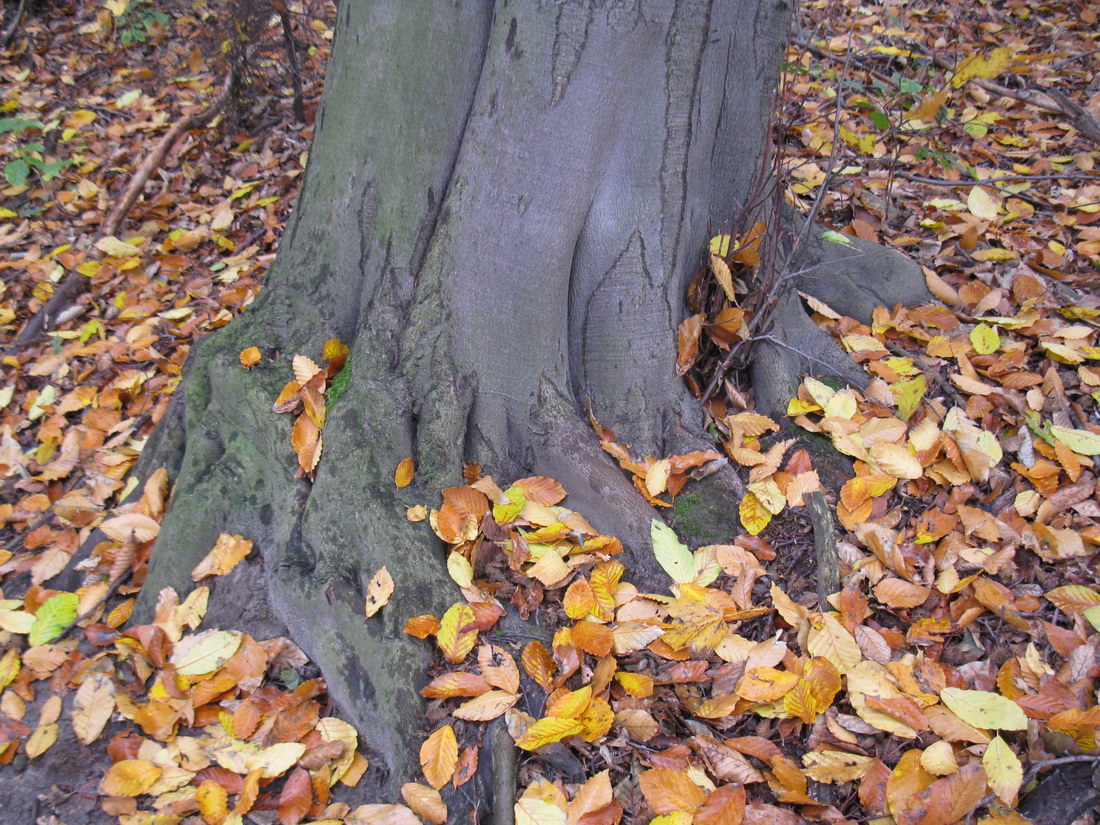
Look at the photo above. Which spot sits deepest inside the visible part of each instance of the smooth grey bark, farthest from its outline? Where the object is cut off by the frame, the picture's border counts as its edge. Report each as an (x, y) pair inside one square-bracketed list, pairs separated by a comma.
[(503, 206)]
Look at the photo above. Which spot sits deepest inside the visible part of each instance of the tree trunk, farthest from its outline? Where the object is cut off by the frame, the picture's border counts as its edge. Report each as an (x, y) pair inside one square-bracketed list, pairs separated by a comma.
[(503, 207)]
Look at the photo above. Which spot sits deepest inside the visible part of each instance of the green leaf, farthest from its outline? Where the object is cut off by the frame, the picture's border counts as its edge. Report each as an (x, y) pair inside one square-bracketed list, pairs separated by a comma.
[(908, 395), (17, 171), (985, 339), (671, 553), (53, 616), (1093, 615), (881, 121), (982, 709), (505, 513), (836, 237), (206, 652), (1084, 442)]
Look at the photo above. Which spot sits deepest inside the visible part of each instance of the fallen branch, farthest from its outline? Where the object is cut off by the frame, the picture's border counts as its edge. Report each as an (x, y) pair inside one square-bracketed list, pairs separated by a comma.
[(76, 282), (9, 32)]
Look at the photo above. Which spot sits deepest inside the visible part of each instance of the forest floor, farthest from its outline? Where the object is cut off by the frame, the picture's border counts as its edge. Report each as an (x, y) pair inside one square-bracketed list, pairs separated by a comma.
[(953, 673)]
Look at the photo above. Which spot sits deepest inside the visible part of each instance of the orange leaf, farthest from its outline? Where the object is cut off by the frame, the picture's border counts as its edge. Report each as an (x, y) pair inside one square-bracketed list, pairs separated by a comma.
[(687, 348), (594, 794), (766, 684), (667, 790), (250, 357), (296, 797), (487, 706), (541, 490), (130, 777), (404, 473), (593, 638), (438, 756), (425, 802), (539, 664), (450, 685), (498, 668), (724, 806), (305, 438), (579, 599), (422, 626)]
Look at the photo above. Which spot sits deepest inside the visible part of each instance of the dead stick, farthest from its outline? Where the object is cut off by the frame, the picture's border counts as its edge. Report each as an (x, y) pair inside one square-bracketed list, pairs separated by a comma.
[(9, 32), (76, 282), (828, 561)]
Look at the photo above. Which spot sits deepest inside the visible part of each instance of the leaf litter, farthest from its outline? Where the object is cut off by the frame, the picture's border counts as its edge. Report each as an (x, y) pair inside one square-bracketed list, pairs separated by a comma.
[(960, 651)]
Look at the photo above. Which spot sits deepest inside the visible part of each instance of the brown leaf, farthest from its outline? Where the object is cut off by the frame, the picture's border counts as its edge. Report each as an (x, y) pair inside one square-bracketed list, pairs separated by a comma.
[(296, 797)]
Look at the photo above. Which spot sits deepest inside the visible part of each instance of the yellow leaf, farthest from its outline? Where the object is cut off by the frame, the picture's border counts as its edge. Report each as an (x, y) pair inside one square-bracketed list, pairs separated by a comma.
[(304, 369), (908, 395), (983, 709), (579, 599), (754, 515), (656, 477), (724, 277), (93, 706), (227, 553), (212, 800), (337, 730), (766, 684), (535, 811), (635, 684), (939, 759), (205, 652), (404, 473), (250, 357), (830, 640), (978, 65), (115, 248), (457, 632), (985, 339), (751, 425), (671, 553), (379, 590), (460, 569), (41, 740), (547, 730), (981, 204), (130, 777), (836, 766), (1003, 770), (720, 245), (896, 460), (572, 704), (438, 756)]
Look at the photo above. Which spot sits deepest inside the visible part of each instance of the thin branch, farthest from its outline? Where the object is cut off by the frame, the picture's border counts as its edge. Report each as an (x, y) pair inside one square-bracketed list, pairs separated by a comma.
[(9, 32), (999, 179), (76, 282)]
